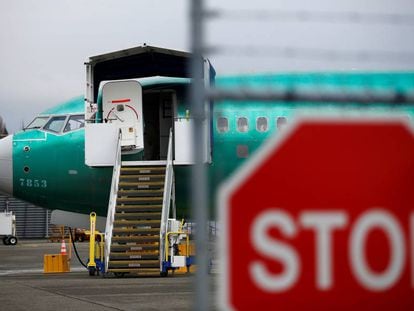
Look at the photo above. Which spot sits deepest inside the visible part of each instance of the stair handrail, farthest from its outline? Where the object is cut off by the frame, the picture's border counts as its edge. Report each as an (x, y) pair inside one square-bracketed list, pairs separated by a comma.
[(112, 201), (166, 201)]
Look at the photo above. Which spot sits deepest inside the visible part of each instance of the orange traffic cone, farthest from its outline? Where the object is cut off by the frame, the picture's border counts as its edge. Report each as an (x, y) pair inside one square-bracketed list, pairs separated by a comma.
[(63, 247)]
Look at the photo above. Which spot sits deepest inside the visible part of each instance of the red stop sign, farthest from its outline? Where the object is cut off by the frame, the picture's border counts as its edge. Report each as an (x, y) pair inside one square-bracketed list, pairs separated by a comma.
[(323, 219)]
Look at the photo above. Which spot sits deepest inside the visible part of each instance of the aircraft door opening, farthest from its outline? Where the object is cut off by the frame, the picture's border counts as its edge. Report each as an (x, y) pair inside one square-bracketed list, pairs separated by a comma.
[(158, 113)]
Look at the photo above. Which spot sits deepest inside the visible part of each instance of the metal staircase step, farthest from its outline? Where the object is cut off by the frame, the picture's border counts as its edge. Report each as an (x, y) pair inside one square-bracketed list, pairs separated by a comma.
[(141, 184), (128, 223), (134, 247), (136, 238), (133, 263), (140, 193), (142, 178), (129, 209), (134, 255), (127, 200), (142, 271), (143, 170), (122, 230), (156, 215)]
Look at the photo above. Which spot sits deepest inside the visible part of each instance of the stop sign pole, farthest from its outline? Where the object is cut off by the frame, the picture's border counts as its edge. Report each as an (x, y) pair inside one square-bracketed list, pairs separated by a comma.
[(322, 217)]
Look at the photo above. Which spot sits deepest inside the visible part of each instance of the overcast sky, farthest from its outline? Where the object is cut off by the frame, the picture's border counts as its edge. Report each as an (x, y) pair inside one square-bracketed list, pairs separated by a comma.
[(44, 43)]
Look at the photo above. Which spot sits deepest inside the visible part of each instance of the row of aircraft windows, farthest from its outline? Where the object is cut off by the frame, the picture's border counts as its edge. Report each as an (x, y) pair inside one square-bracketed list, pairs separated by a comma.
[(57, 123), (262, 124)]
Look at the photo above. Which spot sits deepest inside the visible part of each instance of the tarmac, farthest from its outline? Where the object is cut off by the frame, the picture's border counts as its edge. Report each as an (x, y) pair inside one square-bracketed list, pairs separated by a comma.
[(24, 286)]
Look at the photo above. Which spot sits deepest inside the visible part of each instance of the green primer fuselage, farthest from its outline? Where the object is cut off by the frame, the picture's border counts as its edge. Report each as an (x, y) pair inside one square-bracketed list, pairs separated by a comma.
[(57, 177)]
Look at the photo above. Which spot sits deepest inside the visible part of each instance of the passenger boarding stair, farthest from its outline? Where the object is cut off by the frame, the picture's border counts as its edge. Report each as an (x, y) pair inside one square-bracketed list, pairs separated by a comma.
[(136, 227), (139, 206)]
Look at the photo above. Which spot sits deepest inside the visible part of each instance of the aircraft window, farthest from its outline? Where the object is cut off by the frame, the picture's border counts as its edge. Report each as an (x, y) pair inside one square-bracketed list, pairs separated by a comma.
[(37, 123), (242, 151), (55, 124), (242, 125), (74, 123), (281, 122), (222, 125), (261, 124)]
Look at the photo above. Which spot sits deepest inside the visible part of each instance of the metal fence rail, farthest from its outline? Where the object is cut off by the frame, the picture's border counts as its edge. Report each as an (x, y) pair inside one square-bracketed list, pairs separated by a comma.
[(199, 18), (363, 97)]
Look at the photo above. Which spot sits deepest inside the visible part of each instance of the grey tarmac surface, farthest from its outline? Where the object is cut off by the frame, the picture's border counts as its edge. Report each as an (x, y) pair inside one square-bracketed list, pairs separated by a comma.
[(24, 286)]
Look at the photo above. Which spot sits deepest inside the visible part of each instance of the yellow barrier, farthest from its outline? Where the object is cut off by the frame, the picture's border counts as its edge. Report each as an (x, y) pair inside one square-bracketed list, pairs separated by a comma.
[(55, 263)]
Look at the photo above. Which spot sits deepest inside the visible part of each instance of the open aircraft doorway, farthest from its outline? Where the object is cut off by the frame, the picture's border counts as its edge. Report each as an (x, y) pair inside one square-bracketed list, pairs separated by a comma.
[(158, 109)]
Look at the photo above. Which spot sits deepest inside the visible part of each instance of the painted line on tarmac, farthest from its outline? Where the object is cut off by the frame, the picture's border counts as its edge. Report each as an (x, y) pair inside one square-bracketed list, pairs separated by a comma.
[(34, 271)]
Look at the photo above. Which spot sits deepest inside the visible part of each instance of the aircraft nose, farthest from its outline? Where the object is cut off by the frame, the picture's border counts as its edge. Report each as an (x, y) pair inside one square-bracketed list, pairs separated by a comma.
[(6, 165)]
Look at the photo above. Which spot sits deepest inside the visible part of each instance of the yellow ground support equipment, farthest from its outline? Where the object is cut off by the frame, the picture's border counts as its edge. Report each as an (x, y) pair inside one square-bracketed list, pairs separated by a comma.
[(56, 263), (96, 248), (176, 256)]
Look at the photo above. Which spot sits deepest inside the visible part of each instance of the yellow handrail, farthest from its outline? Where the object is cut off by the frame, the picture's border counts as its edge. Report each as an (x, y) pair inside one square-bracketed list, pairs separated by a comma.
[(181, 225)]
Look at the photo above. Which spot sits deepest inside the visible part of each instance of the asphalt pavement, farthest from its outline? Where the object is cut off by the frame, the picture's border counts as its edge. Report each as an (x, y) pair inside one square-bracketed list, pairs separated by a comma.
[(24, 286)]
